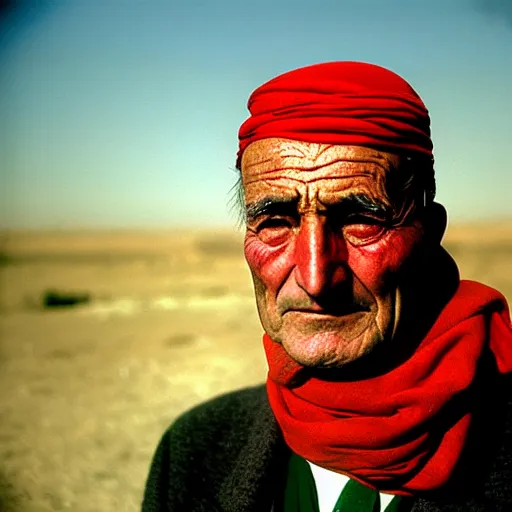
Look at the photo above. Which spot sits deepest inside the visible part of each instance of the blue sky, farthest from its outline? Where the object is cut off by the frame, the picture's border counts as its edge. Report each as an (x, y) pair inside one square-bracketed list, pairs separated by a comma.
[(125, 113)]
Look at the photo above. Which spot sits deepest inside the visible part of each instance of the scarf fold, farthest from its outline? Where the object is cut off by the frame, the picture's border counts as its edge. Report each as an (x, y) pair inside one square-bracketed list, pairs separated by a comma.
[(402, 431)]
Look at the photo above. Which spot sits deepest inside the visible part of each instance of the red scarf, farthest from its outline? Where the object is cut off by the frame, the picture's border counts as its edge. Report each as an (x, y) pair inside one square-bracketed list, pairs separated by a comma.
[(402, 431)]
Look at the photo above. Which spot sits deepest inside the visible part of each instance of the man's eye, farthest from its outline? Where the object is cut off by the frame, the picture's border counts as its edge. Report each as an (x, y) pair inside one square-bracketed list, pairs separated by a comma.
[(359, 233), (274, 231)]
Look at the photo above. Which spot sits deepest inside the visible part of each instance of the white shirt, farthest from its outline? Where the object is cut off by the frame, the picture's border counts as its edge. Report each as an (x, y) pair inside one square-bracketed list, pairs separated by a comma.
[(329, 486)]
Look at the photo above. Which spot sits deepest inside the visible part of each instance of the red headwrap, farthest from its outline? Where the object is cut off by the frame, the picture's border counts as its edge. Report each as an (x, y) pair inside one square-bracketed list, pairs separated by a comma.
[(350, 103)]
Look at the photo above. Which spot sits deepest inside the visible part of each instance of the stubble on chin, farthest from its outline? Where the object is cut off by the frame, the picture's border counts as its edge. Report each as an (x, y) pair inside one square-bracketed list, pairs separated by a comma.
[(329, 347)]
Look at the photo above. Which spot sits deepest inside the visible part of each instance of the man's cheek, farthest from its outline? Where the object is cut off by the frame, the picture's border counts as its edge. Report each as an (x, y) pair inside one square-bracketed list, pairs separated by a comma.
[(369, 266), (260, 293), (267, 307), (269, 265), (378, 265)]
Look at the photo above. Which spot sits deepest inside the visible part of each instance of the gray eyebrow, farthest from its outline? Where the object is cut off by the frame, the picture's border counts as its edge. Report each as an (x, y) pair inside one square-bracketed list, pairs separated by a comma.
[(270, 205), (360, 203), (352, 204)]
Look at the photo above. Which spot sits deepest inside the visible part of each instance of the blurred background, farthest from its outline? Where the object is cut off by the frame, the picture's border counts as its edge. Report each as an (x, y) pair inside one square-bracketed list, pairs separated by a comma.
[(124, 297)]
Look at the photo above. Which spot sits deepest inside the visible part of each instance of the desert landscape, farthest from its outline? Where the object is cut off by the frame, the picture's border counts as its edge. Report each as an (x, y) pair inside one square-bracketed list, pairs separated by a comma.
[(163, 320)]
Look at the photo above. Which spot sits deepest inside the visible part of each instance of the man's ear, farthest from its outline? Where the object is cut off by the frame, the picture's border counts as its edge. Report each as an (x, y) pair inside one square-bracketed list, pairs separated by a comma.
[(436, 220)]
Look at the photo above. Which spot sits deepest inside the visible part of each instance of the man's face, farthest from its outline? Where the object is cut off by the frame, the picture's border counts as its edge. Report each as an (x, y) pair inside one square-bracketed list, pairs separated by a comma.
[(325, 245)]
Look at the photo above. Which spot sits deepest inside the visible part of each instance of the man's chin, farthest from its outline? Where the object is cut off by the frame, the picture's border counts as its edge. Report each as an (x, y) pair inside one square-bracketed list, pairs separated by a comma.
[(327, 349)]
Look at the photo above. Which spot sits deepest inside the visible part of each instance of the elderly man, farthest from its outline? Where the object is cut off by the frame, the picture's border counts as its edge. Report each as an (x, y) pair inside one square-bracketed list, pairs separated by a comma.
[(389, 378)]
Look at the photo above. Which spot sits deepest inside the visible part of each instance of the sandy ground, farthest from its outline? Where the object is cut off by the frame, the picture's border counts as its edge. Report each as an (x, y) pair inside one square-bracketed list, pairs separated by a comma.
[(86, 392)]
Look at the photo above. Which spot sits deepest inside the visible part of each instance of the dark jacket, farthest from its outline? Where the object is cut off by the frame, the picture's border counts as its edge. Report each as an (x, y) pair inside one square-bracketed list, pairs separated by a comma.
[(227, 455)]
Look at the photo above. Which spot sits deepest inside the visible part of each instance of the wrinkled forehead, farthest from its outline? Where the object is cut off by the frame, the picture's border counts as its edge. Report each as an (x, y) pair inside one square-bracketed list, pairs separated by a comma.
[(276, 158), (314, 174)]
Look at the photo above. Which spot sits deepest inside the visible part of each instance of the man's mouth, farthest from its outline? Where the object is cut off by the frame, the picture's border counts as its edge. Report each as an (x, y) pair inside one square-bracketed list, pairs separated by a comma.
[(333, 310), (313, 315)]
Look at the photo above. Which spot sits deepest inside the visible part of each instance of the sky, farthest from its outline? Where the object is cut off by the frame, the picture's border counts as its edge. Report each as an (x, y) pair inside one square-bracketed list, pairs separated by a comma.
[(124, 114)]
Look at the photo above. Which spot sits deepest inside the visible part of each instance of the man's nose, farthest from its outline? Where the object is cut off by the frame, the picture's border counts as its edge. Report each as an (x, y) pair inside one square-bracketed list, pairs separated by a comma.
[(320, 257)]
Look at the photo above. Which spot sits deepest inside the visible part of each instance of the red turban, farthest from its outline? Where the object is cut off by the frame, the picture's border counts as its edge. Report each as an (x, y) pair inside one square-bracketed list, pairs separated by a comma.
[(350, 103)]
